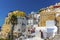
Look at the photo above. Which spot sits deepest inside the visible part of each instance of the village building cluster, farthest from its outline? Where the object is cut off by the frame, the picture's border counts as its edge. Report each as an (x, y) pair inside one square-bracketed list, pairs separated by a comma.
[(43, 24)]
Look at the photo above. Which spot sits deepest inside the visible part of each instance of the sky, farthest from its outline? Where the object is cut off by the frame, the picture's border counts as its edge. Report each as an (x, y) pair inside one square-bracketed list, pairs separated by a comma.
[(26, 6)]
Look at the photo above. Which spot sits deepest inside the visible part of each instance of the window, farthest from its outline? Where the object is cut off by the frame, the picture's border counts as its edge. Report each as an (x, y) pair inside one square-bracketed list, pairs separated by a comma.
[(23, 24), (18, 29), (23, 18)]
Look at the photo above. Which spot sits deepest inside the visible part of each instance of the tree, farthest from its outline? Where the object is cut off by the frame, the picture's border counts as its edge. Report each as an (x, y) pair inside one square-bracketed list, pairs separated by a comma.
[(13, 21), (21, 14)]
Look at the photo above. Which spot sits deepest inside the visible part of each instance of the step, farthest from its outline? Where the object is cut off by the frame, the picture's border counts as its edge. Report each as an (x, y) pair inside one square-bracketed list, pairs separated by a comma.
[(57, 37)]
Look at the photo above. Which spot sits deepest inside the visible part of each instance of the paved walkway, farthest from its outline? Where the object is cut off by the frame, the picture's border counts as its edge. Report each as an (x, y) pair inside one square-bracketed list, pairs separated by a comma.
[(35, 38), (57, 37)]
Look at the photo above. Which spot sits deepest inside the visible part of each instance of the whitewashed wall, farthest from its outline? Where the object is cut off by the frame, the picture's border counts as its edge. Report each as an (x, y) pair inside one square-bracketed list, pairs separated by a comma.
[(50, 23), (21, 24)]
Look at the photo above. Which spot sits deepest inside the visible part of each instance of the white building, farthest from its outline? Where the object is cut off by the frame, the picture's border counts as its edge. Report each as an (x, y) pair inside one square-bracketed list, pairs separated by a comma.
[(49, 31), (34, 18), (21, 24)]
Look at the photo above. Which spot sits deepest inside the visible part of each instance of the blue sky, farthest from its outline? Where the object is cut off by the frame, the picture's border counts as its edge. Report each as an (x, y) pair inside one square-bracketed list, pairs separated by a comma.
[(22, 5)]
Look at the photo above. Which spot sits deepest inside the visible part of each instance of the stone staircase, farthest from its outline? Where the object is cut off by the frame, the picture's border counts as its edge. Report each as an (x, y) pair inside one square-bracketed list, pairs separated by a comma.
[(58, 30), (57, 37)]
